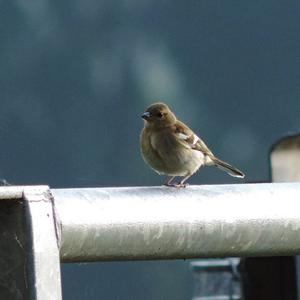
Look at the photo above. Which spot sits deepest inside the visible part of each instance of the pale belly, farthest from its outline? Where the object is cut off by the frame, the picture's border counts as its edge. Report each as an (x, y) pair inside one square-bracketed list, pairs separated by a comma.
[(185, 163)]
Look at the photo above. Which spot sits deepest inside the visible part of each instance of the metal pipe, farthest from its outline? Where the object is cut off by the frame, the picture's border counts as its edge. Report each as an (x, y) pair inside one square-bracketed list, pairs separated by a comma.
[(166, 223)]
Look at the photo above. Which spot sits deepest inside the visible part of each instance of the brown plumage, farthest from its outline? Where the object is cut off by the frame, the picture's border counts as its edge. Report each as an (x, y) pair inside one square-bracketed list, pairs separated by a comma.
[(171, 148)]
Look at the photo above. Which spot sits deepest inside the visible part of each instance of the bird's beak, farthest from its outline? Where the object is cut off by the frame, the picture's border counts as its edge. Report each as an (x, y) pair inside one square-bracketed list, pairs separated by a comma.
[(146, 115)]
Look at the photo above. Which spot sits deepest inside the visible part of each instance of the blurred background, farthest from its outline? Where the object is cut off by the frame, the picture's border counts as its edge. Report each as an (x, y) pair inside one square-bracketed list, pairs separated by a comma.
[(75, 77)]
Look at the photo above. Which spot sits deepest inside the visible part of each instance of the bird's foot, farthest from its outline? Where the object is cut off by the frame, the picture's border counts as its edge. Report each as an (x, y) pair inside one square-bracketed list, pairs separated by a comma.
[(176, 185), (181, 185)]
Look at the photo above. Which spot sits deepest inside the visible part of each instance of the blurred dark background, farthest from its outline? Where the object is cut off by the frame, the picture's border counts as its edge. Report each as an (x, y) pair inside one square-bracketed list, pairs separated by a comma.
[(75, 77)]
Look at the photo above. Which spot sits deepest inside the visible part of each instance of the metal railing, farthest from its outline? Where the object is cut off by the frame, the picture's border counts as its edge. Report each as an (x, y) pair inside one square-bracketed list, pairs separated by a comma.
[(41, 228)]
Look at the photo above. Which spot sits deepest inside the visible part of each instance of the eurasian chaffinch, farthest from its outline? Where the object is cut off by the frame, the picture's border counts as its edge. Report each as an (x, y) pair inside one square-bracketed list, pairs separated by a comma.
[(171, 148)]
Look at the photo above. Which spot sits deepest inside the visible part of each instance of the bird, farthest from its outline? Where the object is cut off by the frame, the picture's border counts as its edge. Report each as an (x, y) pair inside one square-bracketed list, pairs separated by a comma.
[(171, 148)]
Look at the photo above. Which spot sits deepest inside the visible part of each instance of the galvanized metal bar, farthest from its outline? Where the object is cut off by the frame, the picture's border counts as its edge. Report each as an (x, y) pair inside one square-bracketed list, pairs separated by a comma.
[(166, 223)]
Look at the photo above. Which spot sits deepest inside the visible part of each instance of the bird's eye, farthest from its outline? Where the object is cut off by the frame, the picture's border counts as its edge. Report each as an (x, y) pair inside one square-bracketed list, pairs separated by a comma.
[(160, 115)]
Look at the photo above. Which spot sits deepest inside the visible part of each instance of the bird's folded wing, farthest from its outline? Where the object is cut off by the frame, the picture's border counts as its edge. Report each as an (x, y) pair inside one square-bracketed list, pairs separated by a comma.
[(189, 139)]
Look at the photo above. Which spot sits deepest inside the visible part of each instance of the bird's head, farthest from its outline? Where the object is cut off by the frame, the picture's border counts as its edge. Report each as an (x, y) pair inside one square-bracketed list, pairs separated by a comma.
[(158, 115)]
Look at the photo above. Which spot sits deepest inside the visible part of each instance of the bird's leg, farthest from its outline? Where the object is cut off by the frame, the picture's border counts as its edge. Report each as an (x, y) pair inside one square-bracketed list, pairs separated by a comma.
[(182, 183), (169, 180)]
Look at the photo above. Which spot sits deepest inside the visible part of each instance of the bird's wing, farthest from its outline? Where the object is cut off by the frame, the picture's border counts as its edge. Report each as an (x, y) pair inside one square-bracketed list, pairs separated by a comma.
[(189, 139)]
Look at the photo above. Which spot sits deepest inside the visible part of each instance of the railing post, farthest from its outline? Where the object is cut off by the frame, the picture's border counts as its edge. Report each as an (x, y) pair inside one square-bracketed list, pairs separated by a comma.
[(29, 250), (285, 162)]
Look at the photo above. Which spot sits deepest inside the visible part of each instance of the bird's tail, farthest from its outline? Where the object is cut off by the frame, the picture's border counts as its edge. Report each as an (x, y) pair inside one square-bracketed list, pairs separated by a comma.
[(231, 170)]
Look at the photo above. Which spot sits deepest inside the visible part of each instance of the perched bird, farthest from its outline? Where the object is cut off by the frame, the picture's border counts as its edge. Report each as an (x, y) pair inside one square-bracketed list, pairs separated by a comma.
[(171, 148)]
